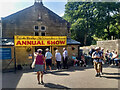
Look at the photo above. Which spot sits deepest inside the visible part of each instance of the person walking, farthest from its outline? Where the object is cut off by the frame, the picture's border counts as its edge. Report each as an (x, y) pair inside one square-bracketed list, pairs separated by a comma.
[(96, 56), (65, 58), (48, 57), (101, 59), (39, 66), (58, 59)]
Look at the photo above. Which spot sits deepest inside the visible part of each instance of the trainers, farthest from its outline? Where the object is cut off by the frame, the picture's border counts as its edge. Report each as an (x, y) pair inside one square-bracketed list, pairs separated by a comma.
[(101, 73), (51, 71), (45, 72), (38, 82), (42, 82), (97, 75)]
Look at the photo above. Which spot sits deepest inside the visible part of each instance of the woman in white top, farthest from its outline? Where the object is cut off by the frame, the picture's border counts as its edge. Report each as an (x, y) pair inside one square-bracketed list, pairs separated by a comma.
[(58, 59)]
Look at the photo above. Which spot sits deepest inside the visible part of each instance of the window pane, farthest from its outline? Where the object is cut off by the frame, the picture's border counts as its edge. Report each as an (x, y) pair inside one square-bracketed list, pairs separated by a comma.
[(36, 34), (42, 34), (36, 27), (42, 27)]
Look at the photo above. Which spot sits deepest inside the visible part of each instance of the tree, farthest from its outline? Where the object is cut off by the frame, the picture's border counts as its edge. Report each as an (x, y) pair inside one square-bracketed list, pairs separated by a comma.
[(104, 17), (93, 19), (80, 14)]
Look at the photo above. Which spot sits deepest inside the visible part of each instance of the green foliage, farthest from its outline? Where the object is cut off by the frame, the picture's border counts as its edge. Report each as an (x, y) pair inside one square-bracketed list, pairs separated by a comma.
[(91, 20)]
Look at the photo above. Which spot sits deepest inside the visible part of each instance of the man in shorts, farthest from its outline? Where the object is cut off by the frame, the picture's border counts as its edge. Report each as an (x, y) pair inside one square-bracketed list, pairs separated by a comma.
[(96, 57), (48, 57)]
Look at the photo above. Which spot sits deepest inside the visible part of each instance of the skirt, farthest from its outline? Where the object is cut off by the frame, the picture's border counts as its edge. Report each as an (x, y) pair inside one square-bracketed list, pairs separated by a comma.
[(39, 68)]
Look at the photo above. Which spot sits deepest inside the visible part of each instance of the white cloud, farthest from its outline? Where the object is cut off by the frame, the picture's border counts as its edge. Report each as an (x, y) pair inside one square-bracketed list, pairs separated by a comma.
[(62, 14), (33, 0), (13, 1)]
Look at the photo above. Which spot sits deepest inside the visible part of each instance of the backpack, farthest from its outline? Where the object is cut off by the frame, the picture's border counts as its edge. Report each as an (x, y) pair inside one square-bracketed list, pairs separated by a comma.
[(91, 52), (97, 53)]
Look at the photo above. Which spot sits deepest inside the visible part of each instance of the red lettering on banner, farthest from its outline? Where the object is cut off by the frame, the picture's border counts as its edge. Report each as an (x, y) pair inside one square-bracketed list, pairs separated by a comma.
[(28, 42), (43, 43), (57, 42), (18, 43), (48, 42), (62, 42), (33, 42), (23, 42), (53, 42), (38, 43)]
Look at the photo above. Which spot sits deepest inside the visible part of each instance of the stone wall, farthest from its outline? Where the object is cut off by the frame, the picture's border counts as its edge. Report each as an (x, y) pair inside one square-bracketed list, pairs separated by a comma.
[(107, 45), (87, 48), (22, 56), (110, 45), (0, 29)]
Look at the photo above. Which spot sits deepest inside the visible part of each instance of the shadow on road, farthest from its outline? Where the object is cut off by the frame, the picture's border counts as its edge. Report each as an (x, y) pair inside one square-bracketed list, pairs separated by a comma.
[(55, 86), (61, 74), (7, 78), (109, 77), (112, 73)]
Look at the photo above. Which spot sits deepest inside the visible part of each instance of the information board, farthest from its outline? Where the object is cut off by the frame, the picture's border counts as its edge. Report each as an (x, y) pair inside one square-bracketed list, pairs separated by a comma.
[(5, 53)]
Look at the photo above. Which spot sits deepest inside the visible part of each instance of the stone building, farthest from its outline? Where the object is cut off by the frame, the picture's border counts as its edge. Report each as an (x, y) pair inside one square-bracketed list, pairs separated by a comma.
[(36, 20), (0, 29)]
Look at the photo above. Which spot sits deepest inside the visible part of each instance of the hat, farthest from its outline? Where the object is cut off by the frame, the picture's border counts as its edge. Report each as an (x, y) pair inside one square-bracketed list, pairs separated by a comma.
[(102, 48), (96, 48), (64, 48), (47, 49), (56, 51), (39, 50)]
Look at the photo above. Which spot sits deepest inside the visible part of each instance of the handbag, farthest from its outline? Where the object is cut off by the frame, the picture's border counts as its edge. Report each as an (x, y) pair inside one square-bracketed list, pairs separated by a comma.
[(33, 64)]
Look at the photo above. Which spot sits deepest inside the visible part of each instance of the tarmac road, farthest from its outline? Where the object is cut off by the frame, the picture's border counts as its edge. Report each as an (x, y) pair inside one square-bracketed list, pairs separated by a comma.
[(74, 77)]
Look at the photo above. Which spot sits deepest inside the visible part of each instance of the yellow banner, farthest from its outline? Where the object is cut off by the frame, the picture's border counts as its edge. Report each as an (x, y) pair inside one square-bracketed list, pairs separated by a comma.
[(40, 40)]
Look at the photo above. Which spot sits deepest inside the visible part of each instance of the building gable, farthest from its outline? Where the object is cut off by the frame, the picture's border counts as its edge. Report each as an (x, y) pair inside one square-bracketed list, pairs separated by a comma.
[(23, 22)]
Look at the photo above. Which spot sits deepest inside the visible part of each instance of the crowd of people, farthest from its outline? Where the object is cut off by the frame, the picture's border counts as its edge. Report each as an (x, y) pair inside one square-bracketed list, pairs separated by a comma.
[(41, 62), (99, 58)]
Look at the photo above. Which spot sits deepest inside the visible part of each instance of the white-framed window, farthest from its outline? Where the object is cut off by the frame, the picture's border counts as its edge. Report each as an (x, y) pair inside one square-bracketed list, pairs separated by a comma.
[(36, 28), (43, 28)]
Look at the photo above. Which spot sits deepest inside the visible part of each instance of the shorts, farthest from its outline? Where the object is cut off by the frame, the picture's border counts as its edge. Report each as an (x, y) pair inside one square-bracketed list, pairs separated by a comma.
[(97, 65), (39, 68), (48, 62)]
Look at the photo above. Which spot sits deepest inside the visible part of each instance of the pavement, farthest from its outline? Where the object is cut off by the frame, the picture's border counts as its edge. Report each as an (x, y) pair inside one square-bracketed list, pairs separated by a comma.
[(74, 77)]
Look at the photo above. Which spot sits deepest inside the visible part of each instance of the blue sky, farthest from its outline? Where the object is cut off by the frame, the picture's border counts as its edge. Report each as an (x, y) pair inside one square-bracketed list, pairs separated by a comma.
[(12, 6)]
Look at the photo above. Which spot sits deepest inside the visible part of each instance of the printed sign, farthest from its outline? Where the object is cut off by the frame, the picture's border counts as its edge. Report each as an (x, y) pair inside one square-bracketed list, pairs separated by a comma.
[(30, 57), (5, 53), (40, 40)]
